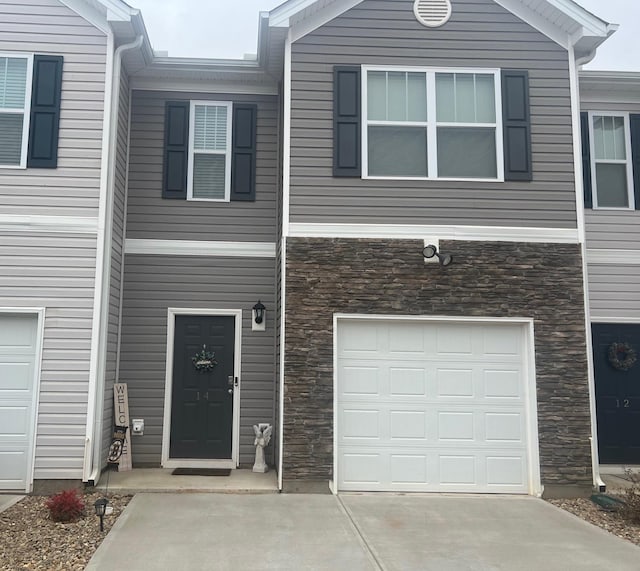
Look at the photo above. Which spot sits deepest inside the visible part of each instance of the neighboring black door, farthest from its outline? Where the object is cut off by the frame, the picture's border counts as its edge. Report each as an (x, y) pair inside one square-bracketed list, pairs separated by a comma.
[(617, 396), (202, 401)]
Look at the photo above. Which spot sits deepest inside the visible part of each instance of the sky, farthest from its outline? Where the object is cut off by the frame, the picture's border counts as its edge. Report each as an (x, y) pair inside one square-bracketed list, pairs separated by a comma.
[(228, 28)]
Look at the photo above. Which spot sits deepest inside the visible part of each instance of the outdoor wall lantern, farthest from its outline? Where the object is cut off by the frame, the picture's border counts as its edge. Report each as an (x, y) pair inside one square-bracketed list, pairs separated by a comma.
[(430, 251), (101, 508), (258, 323)]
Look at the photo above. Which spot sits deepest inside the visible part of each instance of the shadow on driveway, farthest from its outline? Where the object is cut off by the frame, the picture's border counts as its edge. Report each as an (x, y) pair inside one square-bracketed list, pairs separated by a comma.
[(355, 532)]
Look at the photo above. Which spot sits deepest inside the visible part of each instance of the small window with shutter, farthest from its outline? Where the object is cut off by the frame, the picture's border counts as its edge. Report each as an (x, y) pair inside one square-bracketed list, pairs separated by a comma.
[(15, 87), (210, 151)]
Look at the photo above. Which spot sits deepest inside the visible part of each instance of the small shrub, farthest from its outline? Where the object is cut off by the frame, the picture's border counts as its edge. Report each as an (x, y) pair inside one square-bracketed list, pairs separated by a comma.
[(631, 508), (67, 506)]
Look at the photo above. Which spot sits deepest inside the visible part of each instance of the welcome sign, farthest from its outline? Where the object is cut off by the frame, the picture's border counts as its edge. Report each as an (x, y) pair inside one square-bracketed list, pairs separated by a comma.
[(121, 419)]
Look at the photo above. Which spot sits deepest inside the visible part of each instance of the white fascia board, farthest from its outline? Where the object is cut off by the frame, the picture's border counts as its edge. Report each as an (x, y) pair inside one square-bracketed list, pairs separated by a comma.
[(419, 232), (200, 248), (536, 20), (279, 16), (89, 13), (322, 17), (591, 23), (199, 86)]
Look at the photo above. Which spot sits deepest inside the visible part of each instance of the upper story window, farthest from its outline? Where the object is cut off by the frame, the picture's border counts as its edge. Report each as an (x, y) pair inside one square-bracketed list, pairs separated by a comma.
[(15, 98), (432, 124), (210, 150), (611, 165), (209, 174)]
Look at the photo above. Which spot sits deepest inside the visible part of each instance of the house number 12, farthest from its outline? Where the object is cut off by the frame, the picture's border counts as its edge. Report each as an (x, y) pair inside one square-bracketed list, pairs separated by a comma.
[(625, 403)]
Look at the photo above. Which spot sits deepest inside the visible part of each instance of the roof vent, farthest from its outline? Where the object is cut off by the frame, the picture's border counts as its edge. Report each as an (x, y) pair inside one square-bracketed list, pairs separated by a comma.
[(432, 13)]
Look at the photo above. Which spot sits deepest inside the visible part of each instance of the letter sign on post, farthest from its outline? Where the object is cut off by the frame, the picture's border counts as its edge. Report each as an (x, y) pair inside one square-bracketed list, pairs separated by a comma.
[(121, 418)]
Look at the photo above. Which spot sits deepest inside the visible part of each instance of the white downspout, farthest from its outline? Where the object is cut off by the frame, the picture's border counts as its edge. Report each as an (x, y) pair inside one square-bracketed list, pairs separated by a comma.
[(577, 156), (103, 258)]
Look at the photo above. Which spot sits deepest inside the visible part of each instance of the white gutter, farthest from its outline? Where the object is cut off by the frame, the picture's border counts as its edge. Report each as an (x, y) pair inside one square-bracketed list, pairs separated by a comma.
[(577, 160), (103, 258)]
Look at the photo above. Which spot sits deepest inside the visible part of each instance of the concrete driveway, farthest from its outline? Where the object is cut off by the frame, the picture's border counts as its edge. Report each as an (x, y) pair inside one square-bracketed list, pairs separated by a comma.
[(355, 532)]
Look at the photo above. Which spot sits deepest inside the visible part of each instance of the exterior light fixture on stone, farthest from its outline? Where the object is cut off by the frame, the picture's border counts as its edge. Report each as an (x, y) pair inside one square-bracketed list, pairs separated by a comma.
[(430, 251)]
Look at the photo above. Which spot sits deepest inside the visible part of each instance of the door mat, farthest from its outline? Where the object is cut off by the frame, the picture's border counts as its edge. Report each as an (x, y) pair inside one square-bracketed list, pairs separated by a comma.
[(201, 472)]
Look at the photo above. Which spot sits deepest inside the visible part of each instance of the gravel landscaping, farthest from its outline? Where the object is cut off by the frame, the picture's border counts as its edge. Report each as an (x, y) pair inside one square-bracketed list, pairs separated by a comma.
[(610, 521), (30, 540)]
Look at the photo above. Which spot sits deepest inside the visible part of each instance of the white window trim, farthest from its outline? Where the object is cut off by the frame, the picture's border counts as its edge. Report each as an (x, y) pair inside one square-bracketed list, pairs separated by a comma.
[(227, 175), (26, 111), (432, 124), (629, 161)]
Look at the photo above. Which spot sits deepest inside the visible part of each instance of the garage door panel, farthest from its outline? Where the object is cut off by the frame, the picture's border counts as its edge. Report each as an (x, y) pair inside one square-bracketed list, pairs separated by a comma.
[(503, 383), (446, 414), (432, 471), (18, 340), (360, 380)]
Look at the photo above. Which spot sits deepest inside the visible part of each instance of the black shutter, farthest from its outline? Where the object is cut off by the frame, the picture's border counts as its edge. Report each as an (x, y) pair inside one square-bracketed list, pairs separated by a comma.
[(176, 150), (586, 160), (44, 123), (516, 125), (347, 160), (243, 157), (635, 156)]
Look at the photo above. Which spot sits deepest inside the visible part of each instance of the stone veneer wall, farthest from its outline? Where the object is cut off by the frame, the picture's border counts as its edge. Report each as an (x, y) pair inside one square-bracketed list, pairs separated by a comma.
[(493, 279)]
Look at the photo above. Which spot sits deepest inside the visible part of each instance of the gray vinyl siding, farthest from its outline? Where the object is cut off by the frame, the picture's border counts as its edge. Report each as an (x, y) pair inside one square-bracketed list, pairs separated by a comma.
[(614, 291), (57, 272), (117, 247), (155, 283), (610, 229), (49, 27), (152, 217), (385, 32)]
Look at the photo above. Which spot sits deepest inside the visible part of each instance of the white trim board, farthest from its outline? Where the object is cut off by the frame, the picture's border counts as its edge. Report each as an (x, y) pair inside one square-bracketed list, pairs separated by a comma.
[(232, 462), (533, 444), (48, 224), (200, 248), (616, 320), (419, 232), (613, 257), (587, 23), (39, 312), (198, 86)]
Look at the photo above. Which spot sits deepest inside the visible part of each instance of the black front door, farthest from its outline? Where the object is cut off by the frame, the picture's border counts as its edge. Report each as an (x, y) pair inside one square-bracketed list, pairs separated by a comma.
[(202, 397), (617, 396)]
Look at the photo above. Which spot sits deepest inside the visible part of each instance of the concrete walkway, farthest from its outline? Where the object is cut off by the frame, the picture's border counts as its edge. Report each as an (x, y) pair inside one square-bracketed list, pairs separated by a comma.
[(7, 501), (355, 532)]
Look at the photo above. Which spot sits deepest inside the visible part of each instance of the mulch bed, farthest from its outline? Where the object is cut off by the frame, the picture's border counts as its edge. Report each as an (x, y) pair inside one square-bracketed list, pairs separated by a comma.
[(30, 540)]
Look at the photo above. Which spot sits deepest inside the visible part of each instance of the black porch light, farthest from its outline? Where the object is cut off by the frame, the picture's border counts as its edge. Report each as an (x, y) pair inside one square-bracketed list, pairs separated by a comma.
[(258, 312), (430, 251), (100, 506)]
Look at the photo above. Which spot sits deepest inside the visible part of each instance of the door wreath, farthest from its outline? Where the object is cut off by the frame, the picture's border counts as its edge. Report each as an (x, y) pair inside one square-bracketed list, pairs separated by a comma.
[(622, 356), (204, 360)]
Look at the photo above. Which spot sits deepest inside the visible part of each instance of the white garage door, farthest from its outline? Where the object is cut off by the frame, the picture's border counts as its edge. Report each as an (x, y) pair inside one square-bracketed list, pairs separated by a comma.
[(18, 349), (432, 407)]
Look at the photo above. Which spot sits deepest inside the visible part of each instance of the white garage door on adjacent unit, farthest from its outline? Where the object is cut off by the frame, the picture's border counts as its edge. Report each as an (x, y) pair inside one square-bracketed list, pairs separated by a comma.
[(433, 406), (18, 366)]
